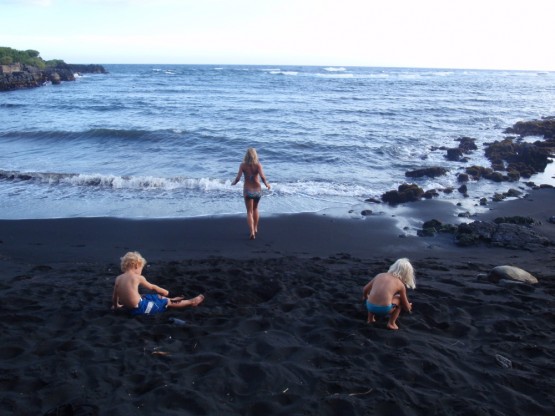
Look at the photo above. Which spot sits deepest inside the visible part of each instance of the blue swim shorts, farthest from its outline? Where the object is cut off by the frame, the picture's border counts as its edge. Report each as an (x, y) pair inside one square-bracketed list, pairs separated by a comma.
[(380, 310), (150, 305)]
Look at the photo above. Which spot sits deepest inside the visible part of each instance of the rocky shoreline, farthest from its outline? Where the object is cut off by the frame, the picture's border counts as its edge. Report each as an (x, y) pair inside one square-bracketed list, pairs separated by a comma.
[(511, 159), (14, 77)]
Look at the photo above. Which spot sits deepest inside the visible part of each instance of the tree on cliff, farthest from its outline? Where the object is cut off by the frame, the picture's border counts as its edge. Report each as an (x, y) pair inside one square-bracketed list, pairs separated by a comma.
[(33, 71), (29, 57)]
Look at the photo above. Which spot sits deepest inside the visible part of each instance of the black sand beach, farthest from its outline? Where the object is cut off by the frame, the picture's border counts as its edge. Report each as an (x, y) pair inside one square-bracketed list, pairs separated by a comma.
[(282, 330)]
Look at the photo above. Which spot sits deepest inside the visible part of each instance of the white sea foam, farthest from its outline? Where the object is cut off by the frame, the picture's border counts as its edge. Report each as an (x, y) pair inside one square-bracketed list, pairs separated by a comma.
[(380, 75), (144, 182), (334, 69), (305, 188), (291, 73), (318, 189), (335, 75), (442, 73)]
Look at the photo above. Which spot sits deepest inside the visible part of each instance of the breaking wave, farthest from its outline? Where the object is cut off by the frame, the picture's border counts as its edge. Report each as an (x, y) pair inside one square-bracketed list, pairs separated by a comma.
[(311, 189), (111, 181)]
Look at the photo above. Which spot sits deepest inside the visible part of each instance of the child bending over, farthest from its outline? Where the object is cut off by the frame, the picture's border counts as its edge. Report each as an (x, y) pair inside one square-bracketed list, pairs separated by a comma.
[(126, 290), (386, 293)]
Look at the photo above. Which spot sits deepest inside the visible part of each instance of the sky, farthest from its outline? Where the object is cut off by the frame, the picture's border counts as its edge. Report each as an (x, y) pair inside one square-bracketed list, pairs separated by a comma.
[(466, 34)]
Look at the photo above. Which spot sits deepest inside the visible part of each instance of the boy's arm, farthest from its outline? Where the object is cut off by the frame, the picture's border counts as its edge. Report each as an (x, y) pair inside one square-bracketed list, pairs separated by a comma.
[(150, 286), (366, 289)]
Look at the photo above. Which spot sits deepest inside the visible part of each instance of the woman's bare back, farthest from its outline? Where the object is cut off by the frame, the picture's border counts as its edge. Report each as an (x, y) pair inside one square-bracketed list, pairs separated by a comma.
[(251, 173)]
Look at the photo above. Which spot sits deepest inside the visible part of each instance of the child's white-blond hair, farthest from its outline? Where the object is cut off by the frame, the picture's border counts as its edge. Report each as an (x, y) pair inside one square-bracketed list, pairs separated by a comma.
[(404, 271), (132, 260)]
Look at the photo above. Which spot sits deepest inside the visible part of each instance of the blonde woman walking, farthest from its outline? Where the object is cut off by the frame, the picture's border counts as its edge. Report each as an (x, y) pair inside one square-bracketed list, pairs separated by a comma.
[(251, 168)]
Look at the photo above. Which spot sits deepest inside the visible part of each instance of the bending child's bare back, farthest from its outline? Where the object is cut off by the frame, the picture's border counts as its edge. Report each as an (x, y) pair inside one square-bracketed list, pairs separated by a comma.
[(384, 287), (386, 293)]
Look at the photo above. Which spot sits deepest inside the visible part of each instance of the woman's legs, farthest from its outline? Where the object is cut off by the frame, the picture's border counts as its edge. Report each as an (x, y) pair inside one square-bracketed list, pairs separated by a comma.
[(249, 203), (255, 214)]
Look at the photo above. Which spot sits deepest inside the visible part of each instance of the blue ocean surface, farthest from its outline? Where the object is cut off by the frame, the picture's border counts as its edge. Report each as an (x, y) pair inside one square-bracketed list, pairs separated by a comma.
[(166, 140)]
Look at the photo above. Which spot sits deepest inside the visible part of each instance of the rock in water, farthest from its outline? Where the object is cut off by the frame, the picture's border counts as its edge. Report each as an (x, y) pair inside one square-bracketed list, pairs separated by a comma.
[(55, 78), (511, 273)]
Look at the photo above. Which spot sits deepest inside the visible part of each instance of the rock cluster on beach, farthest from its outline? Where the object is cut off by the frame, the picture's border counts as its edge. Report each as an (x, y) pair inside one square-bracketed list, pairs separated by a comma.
[(26, 76), (499, 273), (511, 159), (507, 232)]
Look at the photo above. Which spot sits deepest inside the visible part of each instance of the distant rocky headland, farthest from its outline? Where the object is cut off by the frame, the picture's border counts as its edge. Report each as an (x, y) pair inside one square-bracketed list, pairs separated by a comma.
[(26, 69)]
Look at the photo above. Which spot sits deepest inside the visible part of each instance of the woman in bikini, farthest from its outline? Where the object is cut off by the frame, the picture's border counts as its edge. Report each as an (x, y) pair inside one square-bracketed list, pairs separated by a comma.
[(252, 190)]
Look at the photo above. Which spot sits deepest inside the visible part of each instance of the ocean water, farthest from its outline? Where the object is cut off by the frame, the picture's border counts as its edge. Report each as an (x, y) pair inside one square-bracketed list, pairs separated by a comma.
[(167, 140)]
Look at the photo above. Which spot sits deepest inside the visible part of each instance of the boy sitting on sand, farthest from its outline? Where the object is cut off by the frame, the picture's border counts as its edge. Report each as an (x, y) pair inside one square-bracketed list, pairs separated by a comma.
[(386, 293), (126, 290)]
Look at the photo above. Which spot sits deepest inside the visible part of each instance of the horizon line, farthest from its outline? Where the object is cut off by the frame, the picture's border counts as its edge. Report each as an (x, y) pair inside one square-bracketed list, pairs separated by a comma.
[(324, 66)]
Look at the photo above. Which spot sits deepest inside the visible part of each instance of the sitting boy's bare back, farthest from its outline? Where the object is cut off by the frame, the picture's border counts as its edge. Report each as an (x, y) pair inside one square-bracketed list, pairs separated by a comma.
[(127, 288)]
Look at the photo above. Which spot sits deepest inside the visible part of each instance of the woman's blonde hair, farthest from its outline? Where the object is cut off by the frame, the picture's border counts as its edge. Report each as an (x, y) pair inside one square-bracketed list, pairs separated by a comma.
[(132, 260), (251, 157), (404, 271)]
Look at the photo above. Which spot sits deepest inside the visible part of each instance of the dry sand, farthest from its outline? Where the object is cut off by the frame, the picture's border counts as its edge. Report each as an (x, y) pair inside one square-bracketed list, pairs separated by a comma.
[(282, 330)]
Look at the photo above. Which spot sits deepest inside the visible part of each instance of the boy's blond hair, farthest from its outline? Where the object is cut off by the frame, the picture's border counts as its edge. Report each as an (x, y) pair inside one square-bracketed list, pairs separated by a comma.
[(404, 271), (132, 260)]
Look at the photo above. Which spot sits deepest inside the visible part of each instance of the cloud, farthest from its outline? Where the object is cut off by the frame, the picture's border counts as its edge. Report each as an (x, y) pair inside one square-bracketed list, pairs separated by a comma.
[(41, 3)]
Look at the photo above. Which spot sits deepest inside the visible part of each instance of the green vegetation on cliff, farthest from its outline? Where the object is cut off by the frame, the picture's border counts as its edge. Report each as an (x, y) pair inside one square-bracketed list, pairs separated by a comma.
[(30, 57), (26, 69)]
